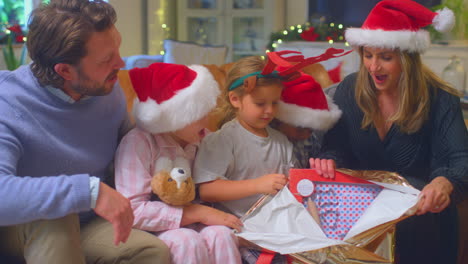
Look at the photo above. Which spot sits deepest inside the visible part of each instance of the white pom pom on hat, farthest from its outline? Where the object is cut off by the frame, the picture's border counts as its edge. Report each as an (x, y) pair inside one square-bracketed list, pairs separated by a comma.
[(444, 20)]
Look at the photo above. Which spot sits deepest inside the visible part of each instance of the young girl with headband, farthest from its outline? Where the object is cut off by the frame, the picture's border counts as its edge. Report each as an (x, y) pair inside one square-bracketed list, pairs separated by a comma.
[(243, 160)]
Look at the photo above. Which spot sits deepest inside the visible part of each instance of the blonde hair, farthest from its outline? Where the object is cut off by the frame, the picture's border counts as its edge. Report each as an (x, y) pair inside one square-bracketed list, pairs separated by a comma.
[(241, 68), (415, 83)]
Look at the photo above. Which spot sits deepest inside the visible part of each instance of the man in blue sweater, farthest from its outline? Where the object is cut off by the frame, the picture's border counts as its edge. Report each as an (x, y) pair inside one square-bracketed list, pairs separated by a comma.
[(60, 121)]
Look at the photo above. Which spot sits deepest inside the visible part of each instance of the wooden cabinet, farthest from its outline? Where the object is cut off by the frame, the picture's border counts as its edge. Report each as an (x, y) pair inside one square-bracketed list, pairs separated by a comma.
[(244, 26), (437, 57)]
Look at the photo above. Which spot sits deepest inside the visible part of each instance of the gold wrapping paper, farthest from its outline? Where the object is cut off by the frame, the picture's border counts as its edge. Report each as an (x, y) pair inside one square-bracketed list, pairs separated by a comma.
[(375, 245)]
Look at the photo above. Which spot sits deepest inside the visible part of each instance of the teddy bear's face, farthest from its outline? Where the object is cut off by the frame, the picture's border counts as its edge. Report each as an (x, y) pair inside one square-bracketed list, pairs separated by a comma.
[(171, 191)]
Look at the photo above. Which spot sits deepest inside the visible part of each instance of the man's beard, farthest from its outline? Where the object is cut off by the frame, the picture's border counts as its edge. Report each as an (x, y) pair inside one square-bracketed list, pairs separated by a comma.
[(87, 87)]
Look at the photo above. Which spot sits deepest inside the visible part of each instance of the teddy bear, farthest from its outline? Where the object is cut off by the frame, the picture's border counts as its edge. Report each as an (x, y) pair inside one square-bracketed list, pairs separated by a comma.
[(172, 181)]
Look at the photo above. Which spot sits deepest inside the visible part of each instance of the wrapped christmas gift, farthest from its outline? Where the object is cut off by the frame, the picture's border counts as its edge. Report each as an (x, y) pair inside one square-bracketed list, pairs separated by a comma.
[(348, 219)]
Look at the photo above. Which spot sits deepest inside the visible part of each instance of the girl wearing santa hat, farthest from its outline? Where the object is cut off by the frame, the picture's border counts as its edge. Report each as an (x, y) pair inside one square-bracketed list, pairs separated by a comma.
[(399, 116), (171, 115)]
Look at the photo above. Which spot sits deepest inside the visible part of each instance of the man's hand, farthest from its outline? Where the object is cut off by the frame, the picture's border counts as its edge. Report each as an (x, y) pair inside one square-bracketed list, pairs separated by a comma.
[(115, 208)]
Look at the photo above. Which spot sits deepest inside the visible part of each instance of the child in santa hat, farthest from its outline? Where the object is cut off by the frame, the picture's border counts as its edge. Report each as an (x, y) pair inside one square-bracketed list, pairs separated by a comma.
[(400, 116), (305, 113), (171, 115)]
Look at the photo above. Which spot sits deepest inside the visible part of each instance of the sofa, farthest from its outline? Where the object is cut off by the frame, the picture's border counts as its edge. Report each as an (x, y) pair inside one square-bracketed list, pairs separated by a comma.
[(181, 52)]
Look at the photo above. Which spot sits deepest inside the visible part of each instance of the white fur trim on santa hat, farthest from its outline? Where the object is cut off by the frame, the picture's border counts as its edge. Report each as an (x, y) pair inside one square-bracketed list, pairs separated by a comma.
[(188, 105), (444, 20), (405, 40), (307, 117), (146, 112)]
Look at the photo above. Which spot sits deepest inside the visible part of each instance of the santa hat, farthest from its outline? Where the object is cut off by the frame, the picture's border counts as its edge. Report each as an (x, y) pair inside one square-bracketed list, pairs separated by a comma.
[(304, 104), (396, 24), (172, 96)]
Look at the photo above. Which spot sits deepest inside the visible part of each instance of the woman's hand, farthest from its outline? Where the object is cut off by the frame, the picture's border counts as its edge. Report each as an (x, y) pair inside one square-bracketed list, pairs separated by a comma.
[(198, 213), (270, 183), (324, 167), (435, 196)]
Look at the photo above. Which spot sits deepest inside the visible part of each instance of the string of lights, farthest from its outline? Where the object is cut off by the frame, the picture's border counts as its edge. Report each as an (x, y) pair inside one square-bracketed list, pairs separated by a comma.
[(330, 32)]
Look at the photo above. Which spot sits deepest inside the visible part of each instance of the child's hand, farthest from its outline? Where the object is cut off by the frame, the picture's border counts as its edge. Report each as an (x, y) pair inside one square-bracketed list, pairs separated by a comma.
[(270, 183), (210, 216), (324, 167)]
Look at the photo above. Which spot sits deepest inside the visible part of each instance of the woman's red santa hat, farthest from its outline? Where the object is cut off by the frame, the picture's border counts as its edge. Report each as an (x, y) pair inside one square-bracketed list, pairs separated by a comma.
[(172, 96), (397, 24)]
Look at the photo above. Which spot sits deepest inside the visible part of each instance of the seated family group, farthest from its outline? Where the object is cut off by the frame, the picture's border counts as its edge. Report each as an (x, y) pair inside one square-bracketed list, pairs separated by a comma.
[(77, 175)]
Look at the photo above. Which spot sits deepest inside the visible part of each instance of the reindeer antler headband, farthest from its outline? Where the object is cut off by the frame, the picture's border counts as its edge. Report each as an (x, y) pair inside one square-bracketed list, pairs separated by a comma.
[(290, 66)]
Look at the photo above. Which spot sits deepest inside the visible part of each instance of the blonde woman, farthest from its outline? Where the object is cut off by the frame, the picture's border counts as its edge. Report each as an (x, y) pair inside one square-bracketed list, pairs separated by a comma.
[(399, 116)]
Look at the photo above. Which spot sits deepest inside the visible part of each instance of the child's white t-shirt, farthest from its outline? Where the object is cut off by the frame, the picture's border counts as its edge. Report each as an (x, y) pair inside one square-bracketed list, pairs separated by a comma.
[(234, 153)]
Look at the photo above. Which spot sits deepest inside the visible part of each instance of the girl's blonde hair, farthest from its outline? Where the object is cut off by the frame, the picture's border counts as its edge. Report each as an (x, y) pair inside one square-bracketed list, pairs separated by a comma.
[(415, 83), (241, 68)]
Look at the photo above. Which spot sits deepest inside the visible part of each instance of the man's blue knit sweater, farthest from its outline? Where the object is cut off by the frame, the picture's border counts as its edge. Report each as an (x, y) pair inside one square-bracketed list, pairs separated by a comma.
[(49, 147)]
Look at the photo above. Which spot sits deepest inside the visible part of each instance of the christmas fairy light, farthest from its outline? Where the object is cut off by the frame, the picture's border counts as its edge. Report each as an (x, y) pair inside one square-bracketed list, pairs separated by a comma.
[(329, 32)]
